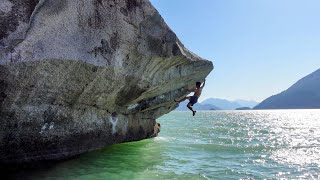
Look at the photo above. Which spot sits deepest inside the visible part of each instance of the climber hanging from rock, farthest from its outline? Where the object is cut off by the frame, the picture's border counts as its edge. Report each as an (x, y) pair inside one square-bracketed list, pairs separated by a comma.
[(193, 99)]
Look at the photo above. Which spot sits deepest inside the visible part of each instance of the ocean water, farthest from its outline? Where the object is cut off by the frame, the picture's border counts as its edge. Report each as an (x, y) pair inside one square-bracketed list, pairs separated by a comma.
[(277, 144)]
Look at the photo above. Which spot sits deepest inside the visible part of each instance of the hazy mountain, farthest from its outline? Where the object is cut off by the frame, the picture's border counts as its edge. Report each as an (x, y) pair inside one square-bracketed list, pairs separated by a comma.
[(223, 103), (246, 103), (197, 106), (219, 104), (304, 94), (243, 108)]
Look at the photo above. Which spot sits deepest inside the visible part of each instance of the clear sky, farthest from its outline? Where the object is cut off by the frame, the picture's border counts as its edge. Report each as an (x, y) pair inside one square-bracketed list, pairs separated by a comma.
[(259, 47)]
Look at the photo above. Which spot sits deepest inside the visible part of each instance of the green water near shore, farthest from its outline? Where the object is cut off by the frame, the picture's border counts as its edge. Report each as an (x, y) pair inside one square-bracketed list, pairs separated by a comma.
[(211, 145)]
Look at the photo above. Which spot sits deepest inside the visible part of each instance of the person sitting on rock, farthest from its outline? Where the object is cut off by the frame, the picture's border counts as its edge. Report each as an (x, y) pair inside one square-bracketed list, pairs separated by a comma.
[(193, 99)]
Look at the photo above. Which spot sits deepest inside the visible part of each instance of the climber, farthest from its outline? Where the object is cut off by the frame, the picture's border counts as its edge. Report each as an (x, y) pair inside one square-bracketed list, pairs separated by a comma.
[(193, 99)]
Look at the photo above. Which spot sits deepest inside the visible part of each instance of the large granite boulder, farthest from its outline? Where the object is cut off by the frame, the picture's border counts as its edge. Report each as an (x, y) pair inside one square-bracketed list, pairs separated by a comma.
[(77, 75)]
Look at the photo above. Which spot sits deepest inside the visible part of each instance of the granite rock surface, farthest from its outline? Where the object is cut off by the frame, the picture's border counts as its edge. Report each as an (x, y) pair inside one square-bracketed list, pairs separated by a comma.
[(78, 75)]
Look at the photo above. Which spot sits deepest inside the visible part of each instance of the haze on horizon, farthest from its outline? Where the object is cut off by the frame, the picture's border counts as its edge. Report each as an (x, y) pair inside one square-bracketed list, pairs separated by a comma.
[(259, 48)]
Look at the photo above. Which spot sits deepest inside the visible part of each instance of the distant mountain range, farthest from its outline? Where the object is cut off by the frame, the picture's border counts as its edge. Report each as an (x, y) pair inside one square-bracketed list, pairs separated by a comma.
[(304, 94), (243, 108), (246, 103), (197, 106), (218, 104), (230, 105), (223, 103)]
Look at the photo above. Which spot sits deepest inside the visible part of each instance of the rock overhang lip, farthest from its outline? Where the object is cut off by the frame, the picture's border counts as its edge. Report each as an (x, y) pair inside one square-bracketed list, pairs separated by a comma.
[(205, 66)]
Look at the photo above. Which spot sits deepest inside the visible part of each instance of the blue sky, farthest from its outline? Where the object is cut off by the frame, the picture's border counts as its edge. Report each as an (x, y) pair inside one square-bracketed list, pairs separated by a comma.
[(259, 47)]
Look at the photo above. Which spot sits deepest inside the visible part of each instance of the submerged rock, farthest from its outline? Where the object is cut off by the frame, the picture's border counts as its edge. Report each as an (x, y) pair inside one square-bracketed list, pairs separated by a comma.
[(78, 75)]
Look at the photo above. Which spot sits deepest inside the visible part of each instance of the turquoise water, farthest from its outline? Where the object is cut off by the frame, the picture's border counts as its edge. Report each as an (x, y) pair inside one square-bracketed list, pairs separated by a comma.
[(280, 144)]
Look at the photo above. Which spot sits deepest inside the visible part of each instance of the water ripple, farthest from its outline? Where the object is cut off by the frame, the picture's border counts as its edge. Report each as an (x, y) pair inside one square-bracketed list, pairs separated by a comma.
[(281, 144)]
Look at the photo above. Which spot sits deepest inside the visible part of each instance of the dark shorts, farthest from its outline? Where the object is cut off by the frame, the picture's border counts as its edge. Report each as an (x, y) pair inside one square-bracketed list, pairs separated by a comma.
[(193, 100)]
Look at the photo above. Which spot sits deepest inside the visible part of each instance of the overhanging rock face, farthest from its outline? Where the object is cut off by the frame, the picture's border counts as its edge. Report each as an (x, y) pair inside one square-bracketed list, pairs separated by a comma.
[(77, 75)]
